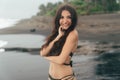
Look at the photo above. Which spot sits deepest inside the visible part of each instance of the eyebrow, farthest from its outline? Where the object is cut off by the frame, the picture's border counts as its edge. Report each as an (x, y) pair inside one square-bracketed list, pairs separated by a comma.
[(67, 15)]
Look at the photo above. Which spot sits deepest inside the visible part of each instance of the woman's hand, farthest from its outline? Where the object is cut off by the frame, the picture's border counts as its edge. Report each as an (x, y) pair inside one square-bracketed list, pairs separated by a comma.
[(60, 34), (61, 31)]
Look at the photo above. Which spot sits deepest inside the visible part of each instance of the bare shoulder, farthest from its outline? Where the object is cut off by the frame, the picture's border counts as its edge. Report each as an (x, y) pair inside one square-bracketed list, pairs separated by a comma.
[(73, 35)]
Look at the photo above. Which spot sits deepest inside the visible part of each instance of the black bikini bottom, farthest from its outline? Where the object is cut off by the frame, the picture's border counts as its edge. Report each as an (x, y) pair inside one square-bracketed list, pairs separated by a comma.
[(68, 77)]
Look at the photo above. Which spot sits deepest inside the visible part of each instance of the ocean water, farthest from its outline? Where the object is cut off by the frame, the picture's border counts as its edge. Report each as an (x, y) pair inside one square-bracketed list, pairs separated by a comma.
[(16, 40), (4, 23), (18, 65), (20, 41)]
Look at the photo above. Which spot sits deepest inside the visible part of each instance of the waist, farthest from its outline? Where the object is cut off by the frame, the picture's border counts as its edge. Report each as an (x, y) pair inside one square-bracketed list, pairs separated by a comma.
[(68, 64), (57, 70)]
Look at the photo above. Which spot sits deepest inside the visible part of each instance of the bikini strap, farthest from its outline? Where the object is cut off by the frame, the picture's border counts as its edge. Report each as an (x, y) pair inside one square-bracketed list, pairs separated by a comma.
[(71, 54), (68, 77), (69, 63)]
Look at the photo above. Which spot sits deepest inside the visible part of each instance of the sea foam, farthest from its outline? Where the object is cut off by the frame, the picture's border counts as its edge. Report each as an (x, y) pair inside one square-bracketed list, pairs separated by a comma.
[(2, 43)]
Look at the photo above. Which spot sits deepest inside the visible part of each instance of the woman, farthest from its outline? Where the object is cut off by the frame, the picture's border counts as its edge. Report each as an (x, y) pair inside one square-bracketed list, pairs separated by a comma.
[(61, 44)]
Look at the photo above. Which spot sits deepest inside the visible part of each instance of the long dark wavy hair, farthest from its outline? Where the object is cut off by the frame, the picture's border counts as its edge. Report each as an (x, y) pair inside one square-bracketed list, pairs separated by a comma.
[(58, 45)]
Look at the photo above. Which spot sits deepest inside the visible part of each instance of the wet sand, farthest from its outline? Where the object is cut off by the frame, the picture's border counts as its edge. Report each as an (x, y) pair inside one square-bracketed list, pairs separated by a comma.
[(22, 66)]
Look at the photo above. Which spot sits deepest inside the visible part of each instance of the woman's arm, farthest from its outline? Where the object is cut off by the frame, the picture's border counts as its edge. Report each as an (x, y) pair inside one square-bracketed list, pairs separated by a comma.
[(46, 49), (67, 49)]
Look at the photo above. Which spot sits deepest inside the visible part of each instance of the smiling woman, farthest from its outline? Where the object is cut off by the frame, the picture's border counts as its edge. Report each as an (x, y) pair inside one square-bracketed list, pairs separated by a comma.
[(65, 20), (61, 45)]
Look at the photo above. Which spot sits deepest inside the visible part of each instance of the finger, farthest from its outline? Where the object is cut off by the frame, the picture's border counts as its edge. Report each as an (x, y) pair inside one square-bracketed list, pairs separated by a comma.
[(60, 28)]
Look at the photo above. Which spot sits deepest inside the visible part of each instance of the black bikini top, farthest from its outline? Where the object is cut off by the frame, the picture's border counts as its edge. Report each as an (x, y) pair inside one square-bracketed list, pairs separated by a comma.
[(71, 54), (70, 64)]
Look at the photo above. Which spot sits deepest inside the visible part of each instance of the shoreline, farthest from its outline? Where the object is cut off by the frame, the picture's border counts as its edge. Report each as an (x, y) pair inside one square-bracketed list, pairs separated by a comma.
[(112, 37)]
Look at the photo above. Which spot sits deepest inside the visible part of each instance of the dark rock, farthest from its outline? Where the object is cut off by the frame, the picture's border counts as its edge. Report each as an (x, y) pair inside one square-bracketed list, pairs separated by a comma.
[(32, 30)]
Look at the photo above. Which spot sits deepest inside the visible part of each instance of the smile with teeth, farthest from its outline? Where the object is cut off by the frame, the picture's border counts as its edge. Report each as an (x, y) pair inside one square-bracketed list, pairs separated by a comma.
[(65, 25)]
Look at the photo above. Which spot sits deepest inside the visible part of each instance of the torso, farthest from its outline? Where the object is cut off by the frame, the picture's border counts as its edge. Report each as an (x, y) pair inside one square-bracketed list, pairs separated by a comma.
[(59, 71)]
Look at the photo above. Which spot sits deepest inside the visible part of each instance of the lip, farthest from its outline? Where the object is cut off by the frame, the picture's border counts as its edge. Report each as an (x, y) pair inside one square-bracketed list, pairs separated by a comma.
[(65, 25)]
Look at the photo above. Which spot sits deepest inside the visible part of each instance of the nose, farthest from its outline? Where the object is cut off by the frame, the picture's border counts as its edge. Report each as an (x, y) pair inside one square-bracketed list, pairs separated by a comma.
[(65, 20)]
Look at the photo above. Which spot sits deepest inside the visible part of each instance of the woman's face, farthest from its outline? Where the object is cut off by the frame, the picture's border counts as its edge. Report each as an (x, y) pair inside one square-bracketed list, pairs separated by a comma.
[(65, 20)]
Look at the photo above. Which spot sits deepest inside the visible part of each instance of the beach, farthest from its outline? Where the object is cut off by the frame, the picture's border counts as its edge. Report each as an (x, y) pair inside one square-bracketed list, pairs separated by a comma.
[(96, 57)]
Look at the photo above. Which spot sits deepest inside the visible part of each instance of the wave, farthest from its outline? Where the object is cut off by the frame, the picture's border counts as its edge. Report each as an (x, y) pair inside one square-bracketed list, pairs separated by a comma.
[(4, 23), (2, 43)]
